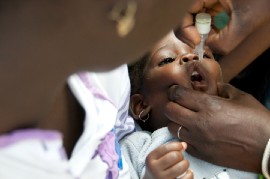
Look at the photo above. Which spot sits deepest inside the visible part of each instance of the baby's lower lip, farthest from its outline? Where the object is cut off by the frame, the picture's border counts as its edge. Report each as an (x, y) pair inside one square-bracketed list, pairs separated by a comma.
[(200, 86)]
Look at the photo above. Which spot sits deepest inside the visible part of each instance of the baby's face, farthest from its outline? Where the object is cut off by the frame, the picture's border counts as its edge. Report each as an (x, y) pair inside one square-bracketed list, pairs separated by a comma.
[(172, 62)]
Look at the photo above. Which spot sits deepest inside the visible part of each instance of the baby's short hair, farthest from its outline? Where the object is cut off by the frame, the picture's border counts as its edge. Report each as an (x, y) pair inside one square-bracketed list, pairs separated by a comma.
[(136, 73)]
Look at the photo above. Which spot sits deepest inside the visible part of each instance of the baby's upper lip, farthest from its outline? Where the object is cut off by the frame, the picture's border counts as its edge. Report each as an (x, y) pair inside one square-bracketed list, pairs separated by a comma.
[(197, 76)]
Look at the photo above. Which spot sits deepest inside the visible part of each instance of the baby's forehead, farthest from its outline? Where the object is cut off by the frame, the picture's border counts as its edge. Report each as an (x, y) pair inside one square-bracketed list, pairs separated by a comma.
[(170, 43), (169, 38), (173, 44)]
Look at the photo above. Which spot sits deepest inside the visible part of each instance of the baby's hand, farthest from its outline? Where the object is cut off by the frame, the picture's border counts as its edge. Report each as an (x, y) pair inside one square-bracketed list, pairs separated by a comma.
[(167, 161)]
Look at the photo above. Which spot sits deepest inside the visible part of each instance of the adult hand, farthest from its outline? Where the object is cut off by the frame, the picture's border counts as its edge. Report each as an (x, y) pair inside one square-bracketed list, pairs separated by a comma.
[(167, 161), (231, 129), (249, 24), (244, 20)]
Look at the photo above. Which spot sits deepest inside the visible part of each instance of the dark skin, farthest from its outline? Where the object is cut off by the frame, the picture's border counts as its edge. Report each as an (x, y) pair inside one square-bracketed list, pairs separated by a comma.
[(249, 24), (66, 115), (233, 125), (171, 62), (43, 42), (219, 121)]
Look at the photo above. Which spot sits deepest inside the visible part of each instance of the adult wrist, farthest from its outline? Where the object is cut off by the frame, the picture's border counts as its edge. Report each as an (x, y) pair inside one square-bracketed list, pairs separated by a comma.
[(265, 161)]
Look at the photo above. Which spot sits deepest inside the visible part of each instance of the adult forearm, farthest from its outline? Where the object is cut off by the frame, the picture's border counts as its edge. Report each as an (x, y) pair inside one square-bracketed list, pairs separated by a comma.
[(245, 53)]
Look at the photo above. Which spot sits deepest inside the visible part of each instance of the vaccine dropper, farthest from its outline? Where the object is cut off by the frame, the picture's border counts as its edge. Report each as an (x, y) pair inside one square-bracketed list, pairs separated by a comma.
[(203, 25)]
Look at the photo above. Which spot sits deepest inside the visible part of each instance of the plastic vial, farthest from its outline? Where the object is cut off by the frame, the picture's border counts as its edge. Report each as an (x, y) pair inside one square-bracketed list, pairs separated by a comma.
[(203, 25)]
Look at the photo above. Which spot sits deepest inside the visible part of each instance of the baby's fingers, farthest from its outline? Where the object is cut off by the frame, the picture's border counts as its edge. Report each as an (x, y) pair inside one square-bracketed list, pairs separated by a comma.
[(166, 148), (179, 170), (188, 175)]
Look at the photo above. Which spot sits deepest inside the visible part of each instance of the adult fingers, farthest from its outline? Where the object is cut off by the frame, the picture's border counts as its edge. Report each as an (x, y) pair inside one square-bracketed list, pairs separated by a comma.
[(226, 90), (220, 41), (187, 32), (185, 106), (210, 5), (188, 98), (189, 35), (179, 114), (216, 37), (201, 5)]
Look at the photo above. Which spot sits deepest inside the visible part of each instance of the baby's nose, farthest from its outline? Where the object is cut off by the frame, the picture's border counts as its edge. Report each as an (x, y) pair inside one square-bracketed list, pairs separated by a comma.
[(189, 57)]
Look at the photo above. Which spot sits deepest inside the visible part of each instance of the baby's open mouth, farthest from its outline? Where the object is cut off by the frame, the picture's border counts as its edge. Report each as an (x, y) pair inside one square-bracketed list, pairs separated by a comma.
[(195, 76), (198, 80)]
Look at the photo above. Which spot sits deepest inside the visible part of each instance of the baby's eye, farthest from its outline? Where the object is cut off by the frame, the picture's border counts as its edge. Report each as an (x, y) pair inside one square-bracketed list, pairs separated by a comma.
[(205, 55), (166, 61)]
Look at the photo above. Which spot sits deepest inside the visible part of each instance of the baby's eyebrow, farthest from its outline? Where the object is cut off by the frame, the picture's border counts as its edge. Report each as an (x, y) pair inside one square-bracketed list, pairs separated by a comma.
[(163, 47), (157, 50)]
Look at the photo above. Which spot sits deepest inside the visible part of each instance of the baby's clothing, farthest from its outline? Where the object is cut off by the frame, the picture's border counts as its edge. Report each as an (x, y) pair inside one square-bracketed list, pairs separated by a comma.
[(39, 154), (138, 145)]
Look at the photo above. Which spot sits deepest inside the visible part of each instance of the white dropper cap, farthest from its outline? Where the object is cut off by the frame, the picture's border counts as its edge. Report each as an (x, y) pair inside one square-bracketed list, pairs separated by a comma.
[(203, 23)]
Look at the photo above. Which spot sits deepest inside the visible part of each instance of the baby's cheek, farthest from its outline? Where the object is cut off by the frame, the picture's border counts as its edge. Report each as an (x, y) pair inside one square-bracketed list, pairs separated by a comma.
[(216, 71)]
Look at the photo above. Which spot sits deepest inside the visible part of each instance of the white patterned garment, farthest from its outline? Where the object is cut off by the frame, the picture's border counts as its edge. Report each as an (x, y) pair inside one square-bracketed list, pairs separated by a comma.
[(39, 154)]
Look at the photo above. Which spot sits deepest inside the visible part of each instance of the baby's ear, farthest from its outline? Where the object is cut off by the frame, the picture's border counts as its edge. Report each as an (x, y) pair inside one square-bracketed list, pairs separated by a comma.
[(137, 106)]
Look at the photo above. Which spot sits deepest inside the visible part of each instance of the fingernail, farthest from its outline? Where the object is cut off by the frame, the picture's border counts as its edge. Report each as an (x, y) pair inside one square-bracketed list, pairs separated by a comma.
[(175, 91), (184, 144)]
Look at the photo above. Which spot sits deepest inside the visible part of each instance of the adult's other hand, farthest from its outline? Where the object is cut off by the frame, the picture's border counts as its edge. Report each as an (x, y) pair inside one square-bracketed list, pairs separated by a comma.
[(249, 24), (244, 20)]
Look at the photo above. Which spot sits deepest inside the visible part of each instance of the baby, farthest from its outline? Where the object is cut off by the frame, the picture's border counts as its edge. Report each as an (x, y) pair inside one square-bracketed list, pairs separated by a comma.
[(153, 152)]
